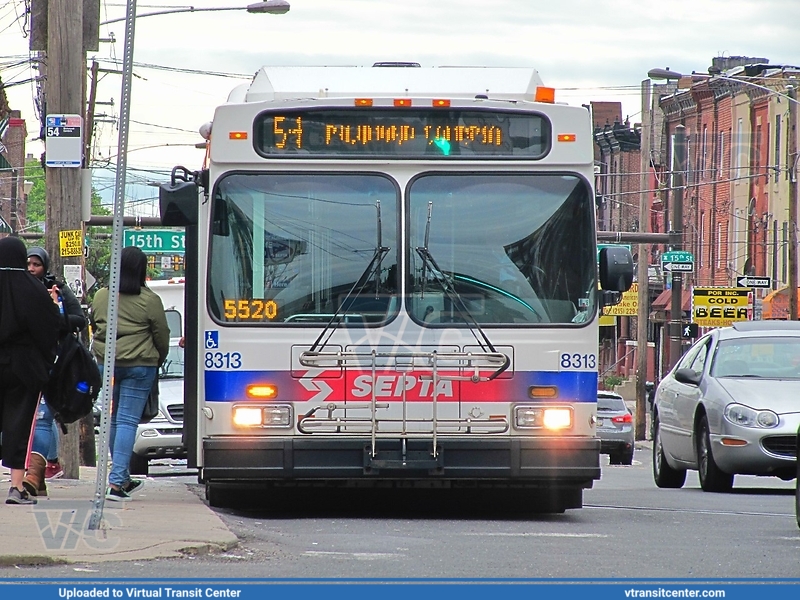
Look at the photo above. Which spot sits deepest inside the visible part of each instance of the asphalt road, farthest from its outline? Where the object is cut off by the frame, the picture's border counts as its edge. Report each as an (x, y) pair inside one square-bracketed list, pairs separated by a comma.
[(627, 529)]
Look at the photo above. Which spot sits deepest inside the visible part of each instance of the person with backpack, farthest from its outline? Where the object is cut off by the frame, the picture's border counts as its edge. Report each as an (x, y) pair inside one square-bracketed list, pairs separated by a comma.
[(29, 328), (142, 345), (43, 463)]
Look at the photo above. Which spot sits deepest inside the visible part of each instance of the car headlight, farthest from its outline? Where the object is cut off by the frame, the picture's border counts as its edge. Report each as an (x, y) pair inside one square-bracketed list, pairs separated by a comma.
[(742, 415)]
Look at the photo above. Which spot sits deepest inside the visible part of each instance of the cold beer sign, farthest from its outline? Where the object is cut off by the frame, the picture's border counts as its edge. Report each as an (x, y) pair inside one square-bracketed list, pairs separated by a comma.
[(719, 307)]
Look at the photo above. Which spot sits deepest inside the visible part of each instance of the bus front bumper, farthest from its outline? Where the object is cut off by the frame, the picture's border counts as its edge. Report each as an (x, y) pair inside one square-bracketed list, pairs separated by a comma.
[(546, 462)]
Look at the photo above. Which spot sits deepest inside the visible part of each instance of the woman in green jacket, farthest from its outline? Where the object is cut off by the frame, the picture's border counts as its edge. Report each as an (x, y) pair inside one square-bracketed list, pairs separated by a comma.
[(142, 345)]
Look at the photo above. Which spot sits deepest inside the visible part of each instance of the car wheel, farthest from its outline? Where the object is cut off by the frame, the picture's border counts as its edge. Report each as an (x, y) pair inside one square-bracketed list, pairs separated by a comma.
[(614, 459), (797, 501), (664, 475), (139, 465), (797, 488), (626, 458), (712, 478)]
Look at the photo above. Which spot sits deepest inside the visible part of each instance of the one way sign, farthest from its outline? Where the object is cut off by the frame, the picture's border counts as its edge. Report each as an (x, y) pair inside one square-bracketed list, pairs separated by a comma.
[(754, 282)]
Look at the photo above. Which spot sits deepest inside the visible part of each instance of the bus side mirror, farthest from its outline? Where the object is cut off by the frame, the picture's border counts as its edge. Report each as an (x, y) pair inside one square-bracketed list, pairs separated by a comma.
[(616, 269), (179, 203)]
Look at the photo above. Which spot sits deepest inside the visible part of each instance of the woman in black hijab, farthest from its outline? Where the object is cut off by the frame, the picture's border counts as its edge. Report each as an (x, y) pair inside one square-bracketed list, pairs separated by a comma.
[(29, 327)]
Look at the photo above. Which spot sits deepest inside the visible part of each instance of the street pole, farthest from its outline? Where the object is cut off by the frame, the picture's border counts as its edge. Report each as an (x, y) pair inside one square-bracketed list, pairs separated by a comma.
[(793, 156), (114, 272), (642, 275), (14, 201), (676, 310)]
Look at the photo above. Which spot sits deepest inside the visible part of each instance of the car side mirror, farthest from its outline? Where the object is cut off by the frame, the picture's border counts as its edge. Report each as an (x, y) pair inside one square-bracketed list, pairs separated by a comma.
[(688, 376)]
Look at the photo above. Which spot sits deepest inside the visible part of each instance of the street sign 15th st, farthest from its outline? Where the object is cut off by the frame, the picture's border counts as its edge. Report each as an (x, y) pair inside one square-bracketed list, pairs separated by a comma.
[(754, 282), (155, 241), (679, 261)]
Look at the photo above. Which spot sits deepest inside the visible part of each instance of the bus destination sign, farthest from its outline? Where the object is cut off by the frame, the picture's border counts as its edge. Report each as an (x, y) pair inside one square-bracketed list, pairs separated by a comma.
[(403, 133)]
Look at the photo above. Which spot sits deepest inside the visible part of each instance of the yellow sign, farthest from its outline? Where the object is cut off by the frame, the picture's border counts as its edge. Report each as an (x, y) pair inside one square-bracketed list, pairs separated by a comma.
[(606, 321), (628, 307), (70, 242), (719, 307)]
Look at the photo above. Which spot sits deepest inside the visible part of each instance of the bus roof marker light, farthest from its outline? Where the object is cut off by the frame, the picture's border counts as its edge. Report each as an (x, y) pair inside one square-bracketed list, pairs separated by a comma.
[(237, 135), (402, 101), (545, 94), (567, 137), (363, 102), (440, 103)]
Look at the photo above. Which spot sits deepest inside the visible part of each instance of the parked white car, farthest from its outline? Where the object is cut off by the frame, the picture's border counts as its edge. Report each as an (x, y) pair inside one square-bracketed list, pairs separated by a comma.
[(163, 436), (730, 406)]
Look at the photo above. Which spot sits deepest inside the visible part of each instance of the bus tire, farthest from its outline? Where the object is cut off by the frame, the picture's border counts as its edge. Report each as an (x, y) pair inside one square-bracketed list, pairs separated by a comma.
[(218, 496)]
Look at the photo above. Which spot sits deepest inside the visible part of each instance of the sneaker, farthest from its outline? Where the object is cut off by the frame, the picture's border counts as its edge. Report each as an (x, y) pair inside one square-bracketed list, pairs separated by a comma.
[(53, 470), (16, 496), (117, 494), (134, 485)]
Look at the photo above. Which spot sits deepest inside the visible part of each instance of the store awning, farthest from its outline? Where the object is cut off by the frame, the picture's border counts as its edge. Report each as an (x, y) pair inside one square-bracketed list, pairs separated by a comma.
[(664, 301), (775, 305)]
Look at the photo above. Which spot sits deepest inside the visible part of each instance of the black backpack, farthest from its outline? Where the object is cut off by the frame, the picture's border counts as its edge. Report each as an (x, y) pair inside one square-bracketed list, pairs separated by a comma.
[(74, 382)]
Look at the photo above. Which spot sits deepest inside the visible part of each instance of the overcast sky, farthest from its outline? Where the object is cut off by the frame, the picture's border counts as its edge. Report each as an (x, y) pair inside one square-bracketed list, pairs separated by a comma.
[(586, 49)]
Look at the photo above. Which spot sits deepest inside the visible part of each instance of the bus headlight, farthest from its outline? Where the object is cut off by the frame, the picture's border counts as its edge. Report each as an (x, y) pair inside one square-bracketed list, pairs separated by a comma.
[(554, 418), (246, 415)]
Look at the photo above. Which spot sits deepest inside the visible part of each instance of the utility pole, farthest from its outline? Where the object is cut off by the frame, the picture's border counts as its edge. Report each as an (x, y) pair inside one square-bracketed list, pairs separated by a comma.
[(64, 95), (793, 158), (676, 310), (644, 261), (64, 31)]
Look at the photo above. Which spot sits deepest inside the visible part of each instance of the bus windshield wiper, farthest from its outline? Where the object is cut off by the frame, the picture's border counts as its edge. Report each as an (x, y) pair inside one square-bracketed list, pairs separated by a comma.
[(450, 291), (361, 282)]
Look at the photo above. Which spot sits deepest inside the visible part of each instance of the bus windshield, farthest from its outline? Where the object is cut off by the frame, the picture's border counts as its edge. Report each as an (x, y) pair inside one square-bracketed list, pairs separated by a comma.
[(494, 248), (516, 248), (288, 248)]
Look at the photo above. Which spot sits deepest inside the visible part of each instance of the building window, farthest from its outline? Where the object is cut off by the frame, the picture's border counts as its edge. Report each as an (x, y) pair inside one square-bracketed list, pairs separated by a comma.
[(777, 165), (740, 146), (704, 153), (701, 236)]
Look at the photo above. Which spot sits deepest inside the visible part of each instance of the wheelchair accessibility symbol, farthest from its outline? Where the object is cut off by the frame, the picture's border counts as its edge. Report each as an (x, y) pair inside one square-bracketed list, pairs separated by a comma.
[(211, 340)]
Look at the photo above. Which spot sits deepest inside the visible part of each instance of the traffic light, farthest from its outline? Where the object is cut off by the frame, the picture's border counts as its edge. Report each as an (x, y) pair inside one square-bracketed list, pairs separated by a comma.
[(689, 331)]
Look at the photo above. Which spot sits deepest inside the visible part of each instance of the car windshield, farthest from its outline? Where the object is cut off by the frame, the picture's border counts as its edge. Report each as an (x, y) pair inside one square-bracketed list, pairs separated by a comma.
[(606, 403), (173, 364), (768, 357)]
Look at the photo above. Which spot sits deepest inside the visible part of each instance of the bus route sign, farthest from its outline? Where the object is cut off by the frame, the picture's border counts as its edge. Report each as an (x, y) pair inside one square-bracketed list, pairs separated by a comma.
[(63, 142)]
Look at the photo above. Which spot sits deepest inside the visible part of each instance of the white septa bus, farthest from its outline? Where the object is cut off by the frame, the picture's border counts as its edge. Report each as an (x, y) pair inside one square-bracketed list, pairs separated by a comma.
[(392, 279)]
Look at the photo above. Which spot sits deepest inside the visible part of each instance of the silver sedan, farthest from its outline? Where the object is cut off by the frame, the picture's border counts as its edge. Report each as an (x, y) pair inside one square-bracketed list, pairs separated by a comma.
[(731, 405)]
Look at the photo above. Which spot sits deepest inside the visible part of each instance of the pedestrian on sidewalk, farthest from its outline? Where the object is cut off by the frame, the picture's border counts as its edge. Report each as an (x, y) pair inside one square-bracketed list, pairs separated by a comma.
[(142, 346), (43, 463), (29, 326)]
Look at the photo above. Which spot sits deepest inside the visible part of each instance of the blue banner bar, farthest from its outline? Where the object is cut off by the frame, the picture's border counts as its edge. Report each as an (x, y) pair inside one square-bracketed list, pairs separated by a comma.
[(778, 589)]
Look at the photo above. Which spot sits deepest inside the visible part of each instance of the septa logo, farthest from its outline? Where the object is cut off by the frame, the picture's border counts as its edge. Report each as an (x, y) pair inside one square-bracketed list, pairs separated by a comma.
[(417, 387)]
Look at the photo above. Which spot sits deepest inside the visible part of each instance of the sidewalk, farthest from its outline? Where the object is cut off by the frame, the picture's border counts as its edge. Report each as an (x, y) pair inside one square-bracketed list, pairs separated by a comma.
[(165, 519)]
